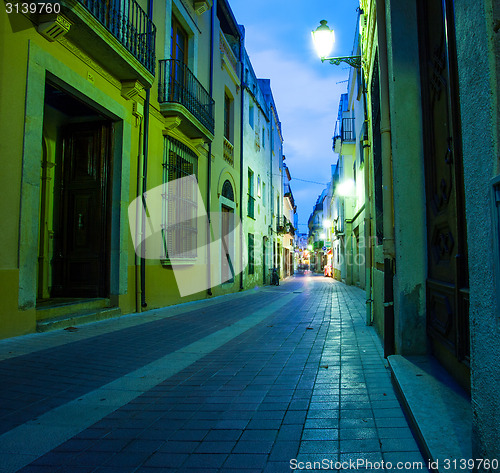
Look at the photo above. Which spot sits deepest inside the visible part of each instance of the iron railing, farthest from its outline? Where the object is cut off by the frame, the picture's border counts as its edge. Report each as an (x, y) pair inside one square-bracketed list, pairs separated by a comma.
[(176, 83), (347, 129), (130, 25)]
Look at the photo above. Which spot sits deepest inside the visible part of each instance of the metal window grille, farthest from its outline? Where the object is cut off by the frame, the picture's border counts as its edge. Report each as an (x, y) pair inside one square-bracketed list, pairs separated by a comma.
[(251, 253), (180, 202)]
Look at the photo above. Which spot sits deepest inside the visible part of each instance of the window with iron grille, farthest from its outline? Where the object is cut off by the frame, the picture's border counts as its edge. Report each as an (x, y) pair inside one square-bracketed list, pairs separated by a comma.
[(180, 201), (251, 253)]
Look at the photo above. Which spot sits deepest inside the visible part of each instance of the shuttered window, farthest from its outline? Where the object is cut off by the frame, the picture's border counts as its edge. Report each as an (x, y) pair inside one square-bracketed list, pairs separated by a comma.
[(180, 201)]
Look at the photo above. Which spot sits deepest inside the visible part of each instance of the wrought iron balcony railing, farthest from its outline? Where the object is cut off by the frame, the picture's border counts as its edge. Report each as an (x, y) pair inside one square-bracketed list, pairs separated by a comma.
[(347, 129), (178, 84), (130, 25), (251, 206)]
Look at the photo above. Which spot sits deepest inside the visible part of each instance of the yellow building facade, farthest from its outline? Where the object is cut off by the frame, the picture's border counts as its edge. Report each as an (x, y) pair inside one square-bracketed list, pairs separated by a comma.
[(110, 107)]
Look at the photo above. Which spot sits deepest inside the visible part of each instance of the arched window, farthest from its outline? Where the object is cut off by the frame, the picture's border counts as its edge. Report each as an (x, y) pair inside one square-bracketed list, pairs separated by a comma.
[(227, 191)]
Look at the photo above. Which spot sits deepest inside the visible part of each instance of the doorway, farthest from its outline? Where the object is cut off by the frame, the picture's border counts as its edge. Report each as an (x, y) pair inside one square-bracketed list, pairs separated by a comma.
[(75, 208), (447, 278), (227, 255)]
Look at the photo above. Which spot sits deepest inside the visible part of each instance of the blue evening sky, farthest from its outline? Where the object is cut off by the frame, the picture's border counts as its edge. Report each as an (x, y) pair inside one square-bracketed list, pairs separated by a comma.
[(306, 92)]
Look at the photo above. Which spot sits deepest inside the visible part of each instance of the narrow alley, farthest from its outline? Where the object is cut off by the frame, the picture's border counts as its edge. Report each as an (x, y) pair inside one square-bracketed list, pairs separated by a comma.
[(268, 380)]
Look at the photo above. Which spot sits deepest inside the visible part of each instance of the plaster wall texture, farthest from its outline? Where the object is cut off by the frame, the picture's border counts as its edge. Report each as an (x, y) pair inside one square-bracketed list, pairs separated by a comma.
[(256, 158), (408, 177), (478, 83)]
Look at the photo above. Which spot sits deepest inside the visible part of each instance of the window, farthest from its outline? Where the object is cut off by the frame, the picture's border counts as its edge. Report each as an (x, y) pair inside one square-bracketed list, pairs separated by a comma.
[(259, 192), (227, 191), (179, 227), (263, 137), (263, 194), (251, 111), (251, 199), (228, 112), (178, 42), (251, 254)]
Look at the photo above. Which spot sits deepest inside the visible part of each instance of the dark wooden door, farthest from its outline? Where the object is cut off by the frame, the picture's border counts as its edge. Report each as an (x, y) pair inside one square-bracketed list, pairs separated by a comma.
[(447, 282), (227, 258), (264, 244), (81, 263)]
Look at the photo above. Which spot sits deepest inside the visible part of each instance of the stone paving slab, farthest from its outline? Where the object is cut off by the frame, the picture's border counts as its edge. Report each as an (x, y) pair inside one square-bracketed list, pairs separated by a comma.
[(259, 382)]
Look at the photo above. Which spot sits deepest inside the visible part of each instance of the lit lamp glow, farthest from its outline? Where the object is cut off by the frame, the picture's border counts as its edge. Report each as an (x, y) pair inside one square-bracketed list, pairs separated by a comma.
[(323, 39), (346, 188), (327, 224)]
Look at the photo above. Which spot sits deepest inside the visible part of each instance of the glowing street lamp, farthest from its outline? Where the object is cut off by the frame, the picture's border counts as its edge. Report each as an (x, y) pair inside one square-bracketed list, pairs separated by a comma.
[(323, 38), (346, 188), (327, 224)]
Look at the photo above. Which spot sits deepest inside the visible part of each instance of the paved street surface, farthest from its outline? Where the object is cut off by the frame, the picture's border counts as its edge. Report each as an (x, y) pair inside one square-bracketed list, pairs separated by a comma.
[(268, 380)]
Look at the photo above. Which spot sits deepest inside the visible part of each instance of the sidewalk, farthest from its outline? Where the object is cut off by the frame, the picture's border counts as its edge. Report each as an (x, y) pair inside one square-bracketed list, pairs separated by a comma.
[(260, 381)]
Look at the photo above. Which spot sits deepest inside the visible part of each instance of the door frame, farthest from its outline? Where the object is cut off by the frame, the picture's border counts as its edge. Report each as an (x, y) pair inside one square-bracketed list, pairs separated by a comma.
[(43, 66)]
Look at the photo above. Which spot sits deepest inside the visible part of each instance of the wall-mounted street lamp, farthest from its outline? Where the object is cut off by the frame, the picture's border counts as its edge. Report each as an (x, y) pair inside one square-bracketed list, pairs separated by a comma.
[(323, 39), (346, 188)]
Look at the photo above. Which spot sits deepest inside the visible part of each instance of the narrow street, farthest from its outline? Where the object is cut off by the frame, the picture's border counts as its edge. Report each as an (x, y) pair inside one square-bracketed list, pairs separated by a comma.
[(267, 380)]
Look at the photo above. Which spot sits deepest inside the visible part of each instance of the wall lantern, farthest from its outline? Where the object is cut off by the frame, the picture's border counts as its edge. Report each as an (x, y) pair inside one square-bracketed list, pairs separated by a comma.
[(323, 39)]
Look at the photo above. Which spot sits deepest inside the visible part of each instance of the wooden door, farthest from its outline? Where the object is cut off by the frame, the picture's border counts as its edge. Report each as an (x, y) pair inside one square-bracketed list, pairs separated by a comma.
[(264, 245), (447, 280), (81, 262), (227, 255), (178, 52)]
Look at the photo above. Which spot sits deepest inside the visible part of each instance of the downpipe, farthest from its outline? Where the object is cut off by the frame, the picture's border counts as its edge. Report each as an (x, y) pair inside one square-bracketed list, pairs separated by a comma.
[(209, 164), (388, 204), (242, 91)]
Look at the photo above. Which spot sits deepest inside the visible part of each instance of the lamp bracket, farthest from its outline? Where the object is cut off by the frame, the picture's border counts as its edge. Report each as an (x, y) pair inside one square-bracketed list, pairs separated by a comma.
[(353, 61)]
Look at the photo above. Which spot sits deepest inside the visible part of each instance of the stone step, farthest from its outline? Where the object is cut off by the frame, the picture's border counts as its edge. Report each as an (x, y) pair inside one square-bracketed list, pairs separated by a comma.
[(77, 318), (60, 307), (438, 409)]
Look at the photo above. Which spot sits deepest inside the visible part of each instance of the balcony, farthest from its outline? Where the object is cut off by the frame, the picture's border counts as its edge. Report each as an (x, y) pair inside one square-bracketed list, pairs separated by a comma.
[(182, 96), (228, 152), (118, 35), (251, 206), (347, 129), (283, 226), (344, 139), (228, 59)]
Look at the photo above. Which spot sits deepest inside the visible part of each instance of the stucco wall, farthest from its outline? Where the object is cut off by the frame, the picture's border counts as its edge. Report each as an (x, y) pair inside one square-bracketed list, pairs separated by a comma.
[(409, 187), (478, 79)]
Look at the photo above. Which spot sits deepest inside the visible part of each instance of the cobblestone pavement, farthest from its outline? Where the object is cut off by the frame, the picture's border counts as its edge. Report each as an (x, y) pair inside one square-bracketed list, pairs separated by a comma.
[(268, 380)]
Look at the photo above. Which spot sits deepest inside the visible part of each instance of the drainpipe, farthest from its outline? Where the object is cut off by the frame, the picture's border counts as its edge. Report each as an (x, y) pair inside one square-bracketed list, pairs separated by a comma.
[(144, 188), (138, 218), (209, 164), (388, 218), (271, 144), (368, 235), (145, 178), (242, 89)]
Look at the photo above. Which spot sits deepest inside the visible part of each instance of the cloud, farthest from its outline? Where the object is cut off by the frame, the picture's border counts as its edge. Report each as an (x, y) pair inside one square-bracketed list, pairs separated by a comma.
[(307, 101)]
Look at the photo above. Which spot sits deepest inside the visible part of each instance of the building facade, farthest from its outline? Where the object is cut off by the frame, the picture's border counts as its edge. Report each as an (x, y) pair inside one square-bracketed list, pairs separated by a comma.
[(432, 105), (126, 180)]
